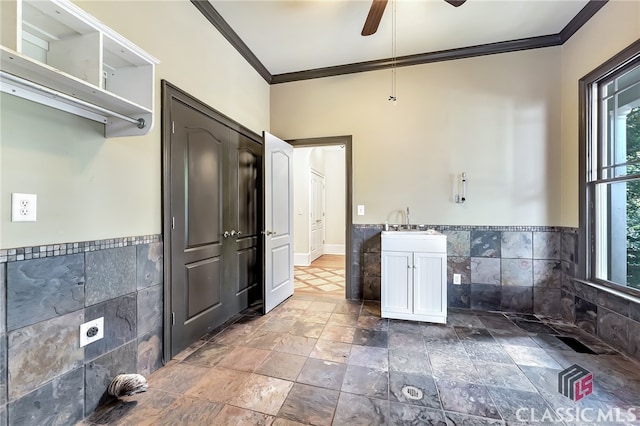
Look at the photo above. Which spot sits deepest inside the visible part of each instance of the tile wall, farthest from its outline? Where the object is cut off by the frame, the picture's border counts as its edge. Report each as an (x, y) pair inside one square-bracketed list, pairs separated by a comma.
[(513, 269), (48, 291)]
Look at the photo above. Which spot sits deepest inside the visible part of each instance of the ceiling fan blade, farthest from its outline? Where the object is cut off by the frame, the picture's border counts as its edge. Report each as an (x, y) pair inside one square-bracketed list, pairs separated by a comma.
[(374, 17), (455, 3)]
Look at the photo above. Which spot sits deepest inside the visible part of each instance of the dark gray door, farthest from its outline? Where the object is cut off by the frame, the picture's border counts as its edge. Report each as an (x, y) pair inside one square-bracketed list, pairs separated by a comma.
[(198, 153), (242, 247)]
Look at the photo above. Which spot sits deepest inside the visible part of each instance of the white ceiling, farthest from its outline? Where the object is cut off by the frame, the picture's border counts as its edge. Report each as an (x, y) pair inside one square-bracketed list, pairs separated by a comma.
[(300, 35)]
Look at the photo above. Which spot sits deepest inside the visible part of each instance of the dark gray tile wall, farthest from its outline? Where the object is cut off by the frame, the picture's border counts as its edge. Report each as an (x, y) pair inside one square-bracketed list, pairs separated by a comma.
[(45, 377), (516, 269), (41, 289)]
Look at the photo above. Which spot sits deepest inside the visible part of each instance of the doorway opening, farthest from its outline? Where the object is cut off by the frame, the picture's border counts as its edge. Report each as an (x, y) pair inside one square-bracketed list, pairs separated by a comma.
[(323, 189)]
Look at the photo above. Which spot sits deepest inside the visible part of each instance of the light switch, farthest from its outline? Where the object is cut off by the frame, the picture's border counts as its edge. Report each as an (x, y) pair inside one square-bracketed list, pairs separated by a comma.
[(360, 210)]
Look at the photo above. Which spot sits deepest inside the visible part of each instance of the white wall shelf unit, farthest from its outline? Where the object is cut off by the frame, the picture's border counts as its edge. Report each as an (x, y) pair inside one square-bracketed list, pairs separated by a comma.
[(56, 54)]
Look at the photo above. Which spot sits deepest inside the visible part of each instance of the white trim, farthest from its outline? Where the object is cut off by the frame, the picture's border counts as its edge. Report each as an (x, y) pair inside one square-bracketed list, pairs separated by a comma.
[(301, 259), (334, 249)]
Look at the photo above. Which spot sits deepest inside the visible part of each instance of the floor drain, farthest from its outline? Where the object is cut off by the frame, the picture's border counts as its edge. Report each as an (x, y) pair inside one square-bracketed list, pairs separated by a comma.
[(412, 392)]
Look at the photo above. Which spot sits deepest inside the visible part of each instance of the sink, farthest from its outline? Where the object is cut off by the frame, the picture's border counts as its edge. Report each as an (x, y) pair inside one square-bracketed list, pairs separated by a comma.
[(428, 240)]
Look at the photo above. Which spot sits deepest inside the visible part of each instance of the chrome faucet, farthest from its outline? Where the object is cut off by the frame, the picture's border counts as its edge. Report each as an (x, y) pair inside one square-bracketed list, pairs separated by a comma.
[(408, 222)]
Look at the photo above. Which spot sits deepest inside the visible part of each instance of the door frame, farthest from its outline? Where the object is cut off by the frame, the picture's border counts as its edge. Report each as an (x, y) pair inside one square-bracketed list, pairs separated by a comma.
[(348, 181), (168, 92)]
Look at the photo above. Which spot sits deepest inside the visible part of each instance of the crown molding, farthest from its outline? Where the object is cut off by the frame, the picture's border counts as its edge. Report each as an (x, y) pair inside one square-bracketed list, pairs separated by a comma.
[(585, 14)]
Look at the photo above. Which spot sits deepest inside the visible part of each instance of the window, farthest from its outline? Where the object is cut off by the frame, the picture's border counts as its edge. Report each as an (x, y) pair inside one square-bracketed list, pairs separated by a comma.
[(610, 146)]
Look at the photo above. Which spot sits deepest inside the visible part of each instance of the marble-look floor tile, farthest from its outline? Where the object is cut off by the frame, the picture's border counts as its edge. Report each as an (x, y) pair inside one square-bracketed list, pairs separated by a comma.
[(366, 381), (497, 322), (289, 313), (446, 349), (487, 352), (307, 329), (512, 337), (261, 339), (468, 398), (233, 335), (549, 341), (296, 345), (338, 334), (462, 319), (142, 409), (310, 405), (285, 422), (474, 334), (321, 307), (371, 308), (322, 373), (317, 317), (349, 307), (426, 384), (360, 410), (243, 358), (331, 351), (231, 415), (535, 327), (364, 337), (344, 320), (219, 384), (189, 410), (367, 356), (407, 327), (454, 368), (373, 323), (531, 356), (278, 325), (262, 393), (503, 375), (439, 333), (407, 414), (297, 304), (509, 401), (457, 419), (282, 365), (409, 362), (410, 342), (209, 355), (177, 377)]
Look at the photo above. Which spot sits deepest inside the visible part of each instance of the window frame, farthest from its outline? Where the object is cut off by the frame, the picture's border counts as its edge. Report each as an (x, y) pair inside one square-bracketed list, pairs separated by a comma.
[(588, 130)]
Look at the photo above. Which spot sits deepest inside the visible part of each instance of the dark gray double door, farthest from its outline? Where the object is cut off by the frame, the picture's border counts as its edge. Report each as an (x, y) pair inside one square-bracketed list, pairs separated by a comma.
[(215, 175)]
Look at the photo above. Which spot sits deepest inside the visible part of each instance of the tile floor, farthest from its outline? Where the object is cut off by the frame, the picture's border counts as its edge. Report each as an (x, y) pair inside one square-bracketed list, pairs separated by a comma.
[(325, 360)]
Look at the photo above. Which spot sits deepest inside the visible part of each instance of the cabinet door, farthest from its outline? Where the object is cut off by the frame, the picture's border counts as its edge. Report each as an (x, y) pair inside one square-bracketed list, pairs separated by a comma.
[(429, 277), (397, 293)]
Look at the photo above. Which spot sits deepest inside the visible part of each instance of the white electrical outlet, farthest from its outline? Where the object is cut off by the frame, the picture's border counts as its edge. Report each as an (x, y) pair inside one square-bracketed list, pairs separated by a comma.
[(360, 210), (91, 331), (457, 279), (23, 207)]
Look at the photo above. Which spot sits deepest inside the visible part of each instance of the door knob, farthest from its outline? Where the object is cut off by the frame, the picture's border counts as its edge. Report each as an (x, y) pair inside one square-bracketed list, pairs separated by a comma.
[(269, 232), (233, 233), (226, 234)]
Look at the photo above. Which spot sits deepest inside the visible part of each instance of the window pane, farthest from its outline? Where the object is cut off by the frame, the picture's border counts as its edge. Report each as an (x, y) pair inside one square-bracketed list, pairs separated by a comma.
[(618, 232), (620, 129)]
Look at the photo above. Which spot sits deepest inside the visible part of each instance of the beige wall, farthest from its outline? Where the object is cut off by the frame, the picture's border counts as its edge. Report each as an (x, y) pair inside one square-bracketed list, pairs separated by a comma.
[(93, 188), (496, 117), (335, 196), (613, 28)]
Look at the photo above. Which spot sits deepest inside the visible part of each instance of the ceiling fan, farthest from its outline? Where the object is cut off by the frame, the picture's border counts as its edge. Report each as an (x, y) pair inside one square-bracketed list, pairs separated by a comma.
[(377, 9)]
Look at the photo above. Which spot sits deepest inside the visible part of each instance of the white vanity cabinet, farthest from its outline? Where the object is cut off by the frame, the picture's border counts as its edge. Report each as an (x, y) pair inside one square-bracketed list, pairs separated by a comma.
[(414, 276), (56, 54)]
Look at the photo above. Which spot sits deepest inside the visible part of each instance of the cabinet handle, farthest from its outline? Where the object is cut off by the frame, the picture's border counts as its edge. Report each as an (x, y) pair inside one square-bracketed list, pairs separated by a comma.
[(233, 233), (239, 233), (226, 234)]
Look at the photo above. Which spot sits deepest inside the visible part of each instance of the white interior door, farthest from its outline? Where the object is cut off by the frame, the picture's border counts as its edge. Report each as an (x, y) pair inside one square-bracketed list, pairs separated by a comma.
[(317, 215), (278, 235)]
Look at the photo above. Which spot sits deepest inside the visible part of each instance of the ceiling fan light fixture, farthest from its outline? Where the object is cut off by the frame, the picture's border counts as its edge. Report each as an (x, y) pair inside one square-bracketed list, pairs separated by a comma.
[(455, 3)]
